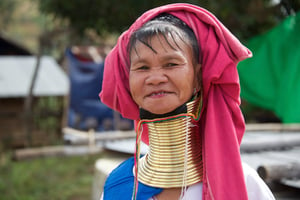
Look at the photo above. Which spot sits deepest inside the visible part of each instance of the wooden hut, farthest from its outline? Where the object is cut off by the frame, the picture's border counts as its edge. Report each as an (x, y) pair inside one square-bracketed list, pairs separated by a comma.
[(51, 86)]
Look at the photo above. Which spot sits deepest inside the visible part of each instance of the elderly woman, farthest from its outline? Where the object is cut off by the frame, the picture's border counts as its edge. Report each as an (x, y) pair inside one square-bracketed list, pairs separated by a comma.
[(174, 72)]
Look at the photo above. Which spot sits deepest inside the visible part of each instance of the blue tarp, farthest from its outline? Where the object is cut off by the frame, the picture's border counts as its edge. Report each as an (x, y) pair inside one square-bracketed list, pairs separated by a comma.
[(85, 108)]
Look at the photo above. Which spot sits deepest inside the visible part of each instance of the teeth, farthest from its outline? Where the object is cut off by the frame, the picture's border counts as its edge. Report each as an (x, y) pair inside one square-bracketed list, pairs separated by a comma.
[(159, 93)]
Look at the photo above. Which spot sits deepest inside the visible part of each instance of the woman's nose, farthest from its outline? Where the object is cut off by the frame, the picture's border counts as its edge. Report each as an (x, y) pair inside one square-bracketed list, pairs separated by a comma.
[(156, 77)]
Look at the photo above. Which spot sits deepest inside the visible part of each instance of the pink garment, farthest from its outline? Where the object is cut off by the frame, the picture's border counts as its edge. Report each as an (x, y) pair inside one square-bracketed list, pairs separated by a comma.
[(222, 123)]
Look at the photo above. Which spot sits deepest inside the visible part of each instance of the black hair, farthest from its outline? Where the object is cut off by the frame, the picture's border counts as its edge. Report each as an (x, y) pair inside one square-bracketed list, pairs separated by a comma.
[(165, 24)]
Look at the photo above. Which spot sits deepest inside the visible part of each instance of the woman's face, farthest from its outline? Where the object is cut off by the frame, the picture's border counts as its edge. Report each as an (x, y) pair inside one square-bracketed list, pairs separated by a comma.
[(162, 78)]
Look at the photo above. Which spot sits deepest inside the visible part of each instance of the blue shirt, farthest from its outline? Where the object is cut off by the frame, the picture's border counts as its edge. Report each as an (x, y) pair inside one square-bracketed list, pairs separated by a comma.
[(120, 182)]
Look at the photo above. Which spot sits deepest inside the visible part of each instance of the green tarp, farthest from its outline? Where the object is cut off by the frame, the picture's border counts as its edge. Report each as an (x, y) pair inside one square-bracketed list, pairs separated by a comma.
[(271, 79)]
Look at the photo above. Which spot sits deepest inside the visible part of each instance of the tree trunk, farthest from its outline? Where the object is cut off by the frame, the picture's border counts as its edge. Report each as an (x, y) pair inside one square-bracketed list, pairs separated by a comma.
[(28, 112)]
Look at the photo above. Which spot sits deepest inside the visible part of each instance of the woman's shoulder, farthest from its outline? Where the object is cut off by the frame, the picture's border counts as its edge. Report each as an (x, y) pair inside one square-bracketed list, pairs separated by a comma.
[(120, 183), (256, 187)]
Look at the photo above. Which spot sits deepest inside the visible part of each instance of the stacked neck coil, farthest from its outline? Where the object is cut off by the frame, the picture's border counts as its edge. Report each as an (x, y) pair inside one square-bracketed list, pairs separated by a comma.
[(175, 151)]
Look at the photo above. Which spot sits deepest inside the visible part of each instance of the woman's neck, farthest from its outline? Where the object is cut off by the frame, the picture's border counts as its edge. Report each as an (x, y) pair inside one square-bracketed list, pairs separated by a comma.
[(175, 153)]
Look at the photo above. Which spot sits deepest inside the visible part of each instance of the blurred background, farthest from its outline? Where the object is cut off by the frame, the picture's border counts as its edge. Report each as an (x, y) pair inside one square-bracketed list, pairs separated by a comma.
[(58, 141)]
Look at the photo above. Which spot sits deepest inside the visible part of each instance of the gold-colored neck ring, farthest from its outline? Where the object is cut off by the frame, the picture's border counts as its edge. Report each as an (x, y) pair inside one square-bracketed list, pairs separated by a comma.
[(175, 153)]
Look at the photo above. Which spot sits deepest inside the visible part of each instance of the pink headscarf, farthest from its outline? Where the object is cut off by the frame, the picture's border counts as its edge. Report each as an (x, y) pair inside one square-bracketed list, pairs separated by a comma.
[(222, 123)]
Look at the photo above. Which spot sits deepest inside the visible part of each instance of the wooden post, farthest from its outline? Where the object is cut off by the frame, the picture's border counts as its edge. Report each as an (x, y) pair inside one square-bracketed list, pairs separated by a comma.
[(29, 97), (279, 171)]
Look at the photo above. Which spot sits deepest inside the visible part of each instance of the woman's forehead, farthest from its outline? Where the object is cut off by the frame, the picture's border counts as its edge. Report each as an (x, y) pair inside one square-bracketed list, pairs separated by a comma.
[(161, 42)]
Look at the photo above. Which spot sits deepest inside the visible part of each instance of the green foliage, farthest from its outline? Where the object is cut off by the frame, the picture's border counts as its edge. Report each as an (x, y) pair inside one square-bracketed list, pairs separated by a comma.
[(244, 18), (6, 9), (48, 178)]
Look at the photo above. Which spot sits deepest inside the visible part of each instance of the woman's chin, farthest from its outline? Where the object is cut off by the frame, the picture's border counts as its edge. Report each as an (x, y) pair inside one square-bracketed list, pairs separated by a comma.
[(160, 110)]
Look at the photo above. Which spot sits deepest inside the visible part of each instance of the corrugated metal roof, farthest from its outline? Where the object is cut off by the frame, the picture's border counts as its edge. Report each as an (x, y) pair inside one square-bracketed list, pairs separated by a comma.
[(16, 73)]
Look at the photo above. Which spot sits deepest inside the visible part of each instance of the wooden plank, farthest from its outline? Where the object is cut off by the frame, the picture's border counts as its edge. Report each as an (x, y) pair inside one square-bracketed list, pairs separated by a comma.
[(255, 141), (272, 143), (54, 151), (277, 127), (73, 136)]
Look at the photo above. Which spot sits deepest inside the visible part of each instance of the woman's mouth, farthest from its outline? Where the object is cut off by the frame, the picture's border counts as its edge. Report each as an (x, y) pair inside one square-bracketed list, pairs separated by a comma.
[(158, 94)]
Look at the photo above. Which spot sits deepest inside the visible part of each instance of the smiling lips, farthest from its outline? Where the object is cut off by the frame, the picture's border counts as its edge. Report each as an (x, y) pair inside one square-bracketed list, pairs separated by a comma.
[(158, 94)]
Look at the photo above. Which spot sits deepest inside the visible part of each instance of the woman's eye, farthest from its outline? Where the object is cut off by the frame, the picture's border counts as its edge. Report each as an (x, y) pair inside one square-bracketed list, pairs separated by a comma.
[(144, 67), (171, 64)]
